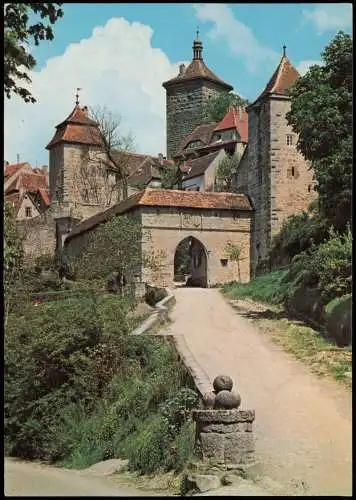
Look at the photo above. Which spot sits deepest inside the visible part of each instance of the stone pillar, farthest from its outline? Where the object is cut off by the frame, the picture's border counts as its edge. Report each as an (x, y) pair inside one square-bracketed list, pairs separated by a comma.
[(225, 437)]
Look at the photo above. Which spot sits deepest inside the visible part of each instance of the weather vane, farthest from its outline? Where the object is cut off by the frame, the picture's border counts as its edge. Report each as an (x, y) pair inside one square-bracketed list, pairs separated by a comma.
[(197, 32), (77, 95)]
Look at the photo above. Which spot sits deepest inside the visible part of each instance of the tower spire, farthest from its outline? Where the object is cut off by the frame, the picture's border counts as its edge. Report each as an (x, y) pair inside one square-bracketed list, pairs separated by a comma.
[(197, 47), (77, 96), (284, 51)]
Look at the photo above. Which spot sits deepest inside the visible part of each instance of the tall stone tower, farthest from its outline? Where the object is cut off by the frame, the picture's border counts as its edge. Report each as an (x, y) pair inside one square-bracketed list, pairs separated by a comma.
[(76, 139), (185, 96), (279, 180)]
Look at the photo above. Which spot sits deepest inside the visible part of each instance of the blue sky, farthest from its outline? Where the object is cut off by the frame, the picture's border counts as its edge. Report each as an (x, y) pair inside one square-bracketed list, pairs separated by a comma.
[(120, 54)]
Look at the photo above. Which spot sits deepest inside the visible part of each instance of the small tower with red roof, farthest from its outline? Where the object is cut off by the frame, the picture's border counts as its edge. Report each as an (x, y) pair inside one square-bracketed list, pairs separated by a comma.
[(73, 140), (279, 180)]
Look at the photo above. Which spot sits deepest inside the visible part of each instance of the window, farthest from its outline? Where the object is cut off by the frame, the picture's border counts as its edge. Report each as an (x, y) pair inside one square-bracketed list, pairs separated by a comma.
[(289, 140), (28, 212), (293, 171), (223, 262), (309, 188)]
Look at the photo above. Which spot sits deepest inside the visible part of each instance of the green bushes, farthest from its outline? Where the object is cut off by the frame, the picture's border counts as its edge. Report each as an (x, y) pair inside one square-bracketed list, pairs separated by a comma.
[(267, 288), (79, 389), (154, 294), (338, 314)]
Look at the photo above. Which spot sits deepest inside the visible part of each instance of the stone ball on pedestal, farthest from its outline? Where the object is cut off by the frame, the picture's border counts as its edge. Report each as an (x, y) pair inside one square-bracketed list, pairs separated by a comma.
[(222, 383), (209, 399), (227, 400)]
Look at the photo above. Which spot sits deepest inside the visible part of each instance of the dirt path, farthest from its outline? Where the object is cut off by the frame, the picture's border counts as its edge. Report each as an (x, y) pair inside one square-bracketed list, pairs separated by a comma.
[(34, 479), (303, 424)]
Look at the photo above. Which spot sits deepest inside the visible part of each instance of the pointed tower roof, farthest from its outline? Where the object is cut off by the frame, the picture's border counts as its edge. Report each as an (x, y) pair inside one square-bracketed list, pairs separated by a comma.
[(197, 69), (283, 78), (235, 118), (77, 128)]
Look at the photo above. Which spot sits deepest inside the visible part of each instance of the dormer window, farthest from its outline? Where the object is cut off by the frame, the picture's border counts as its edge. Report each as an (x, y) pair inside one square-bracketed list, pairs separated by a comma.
[(193, 144)]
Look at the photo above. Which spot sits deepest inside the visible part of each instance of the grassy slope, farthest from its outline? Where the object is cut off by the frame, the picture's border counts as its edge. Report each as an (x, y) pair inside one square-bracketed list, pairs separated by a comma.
[(306, 344)]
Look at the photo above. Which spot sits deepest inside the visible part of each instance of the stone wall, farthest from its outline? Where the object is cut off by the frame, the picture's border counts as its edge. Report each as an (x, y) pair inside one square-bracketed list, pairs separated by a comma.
[(291, 180), (184, 103), (279, 180), (164, 228), (40, 235), (259, 179)]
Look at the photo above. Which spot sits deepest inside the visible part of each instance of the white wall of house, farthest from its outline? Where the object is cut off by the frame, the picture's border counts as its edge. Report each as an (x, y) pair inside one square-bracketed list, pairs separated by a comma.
[(194, 184), (27, 210)]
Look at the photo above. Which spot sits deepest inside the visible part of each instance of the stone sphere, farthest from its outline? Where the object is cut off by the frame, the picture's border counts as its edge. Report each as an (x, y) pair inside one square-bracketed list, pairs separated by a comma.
[(209, 399), (227, 400), (223, 383)]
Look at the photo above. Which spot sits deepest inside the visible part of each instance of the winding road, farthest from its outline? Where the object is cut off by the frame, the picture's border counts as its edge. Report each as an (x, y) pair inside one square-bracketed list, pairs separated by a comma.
[(303, 424)]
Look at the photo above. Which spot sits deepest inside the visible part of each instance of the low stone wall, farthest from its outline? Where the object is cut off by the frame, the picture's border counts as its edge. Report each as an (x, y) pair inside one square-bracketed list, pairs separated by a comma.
[(159, 315)]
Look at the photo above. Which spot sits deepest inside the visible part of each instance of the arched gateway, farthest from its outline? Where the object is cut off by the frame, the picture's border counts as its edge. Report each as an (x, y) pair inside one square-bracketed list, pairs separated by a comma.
[(191, 263), (206, 222)]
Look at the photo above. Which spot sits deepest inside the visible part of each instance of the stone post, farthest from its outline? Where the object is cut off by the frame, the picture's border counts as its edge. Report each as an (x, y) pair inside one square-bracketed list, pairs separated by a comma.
[(225, 437)]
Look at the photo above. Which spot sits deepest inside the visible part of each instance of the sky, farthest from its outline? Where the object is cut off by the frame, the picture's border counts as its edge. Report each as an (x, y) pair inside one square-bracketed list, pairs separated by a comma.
[(119, 54)]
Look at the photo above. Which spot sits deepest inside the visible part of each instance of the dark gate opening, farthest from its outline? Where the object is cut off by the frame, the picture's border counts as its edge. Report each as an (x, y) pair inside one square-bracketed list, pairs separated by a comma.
[(190, 263)]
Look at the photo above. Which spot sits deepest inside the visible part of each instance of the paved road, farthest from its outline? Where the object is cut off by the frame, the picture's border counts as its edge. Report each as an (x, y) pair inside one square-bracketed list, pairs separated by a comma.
[(33, 479), (303, 424)]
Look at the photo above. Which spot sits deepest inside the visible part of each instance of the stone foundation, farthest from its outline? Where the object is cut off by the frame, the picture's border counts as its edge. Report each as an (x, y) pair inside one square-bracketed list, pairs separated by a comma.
[(225, 437)]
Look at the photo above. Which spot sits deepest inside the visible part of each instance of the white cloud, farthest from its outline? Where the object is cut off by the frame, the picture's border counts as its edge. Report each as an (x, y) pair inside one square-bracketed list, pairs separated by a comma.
[(303, 66), (239, 37), (330, 16), (116, 67)]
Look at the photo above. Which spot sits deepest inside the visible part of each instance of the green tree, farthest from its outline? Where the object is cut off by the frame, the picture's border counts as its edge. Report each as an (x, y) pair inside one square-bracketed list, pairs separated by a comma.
[(215, 109), (13, 255), (18, 33), (321, 114), (234, 254), (170, 177), (225, 172)]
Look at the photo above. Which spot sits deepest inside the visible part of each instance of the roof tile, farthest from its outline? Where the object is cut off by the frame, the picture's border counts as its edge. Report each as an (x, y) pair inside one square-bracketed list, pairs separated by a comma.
[(237, 119), (167, 198), (197, 69)]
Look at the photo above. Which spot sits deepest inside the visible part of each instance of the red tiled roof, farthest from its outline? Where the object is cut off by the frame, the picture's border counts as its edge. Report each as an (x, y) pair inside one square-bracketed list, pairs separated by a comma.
[(283, 78), (197, 70), (77, 128), (44, 194), (167, 198), (197, 166), (12, 169), (32, 181), (237, 119), (201, 133)]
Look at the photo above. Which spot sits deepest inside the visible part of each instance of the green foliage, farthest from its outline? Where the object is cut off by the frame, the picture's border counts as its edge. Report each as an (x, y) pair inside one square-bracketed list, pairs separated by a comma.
[(331, 262), (267, 288), (18, 34), (321, 113), (298, 233), (170, 177), (118, 243), (216, 108), (154, 294), (225, 172), (13, 244), (81, 390), (339, 320)]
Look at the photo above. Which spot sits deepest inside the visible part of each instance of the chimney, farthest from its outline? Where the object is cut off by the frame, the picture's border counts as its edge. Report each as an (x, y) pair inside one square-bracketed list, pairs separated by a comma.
[(18, 158), (85, 110), (181, 69), (45, 169), (160, 158)]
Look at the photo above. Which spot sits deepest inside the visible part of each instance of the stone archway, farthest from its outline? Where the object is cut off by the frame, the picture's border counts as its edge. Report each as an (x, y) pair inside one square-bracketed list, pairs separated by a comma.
[(191, 263)]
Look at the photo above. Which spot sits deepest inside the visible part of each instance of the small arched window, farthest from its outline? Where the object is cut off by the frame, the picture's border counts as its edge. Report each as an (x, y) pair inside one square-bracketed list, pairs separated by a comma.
[(309, 188), (293, 171)]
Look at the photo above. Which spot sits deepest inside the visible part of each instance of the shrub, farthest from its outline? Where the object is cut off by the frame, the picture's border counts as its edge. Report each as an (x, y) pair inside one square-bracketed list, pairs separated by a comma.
[(268, 288), (338, 314), (154, 295)]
